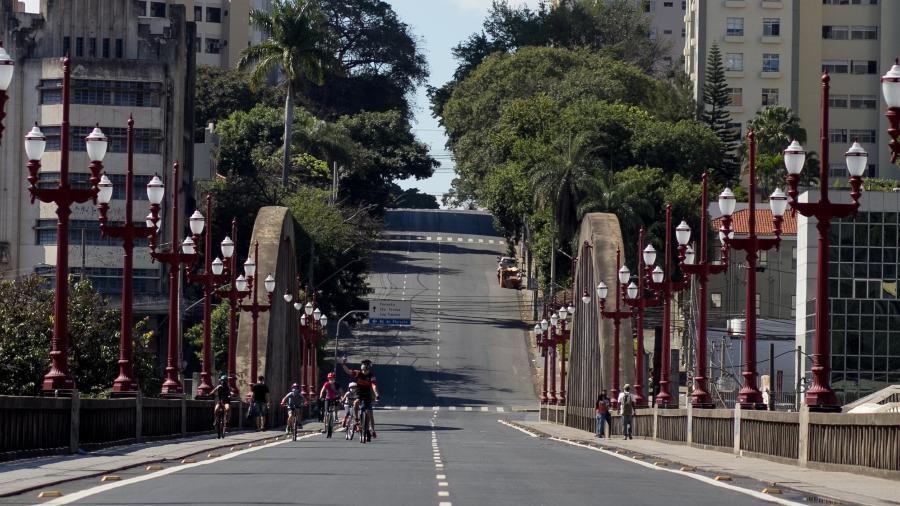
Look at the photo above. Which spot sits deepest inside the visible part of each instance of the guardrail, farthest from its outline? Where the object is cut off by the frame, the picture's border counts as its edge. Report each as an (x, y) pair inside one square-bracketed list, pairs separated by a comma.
[(31, 426), (851, 442)]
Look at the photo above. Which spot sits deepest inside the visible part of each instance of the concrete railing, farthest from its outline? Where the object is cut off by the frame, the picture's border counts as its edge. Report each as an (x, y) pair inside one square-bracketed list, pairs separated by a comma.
[(867, 443), (52, 425)]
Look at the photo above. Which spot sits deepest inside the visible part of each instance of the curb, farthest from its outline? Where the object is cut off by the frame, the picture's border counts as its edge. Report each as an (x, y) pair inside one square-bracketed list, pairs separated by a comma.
[(32, 488)]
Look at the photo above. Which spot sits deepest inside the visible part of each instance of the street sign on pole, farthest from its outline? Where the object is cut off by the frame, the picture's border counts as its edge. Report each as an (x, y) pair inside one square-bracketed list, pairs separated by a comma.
[(390, 312)]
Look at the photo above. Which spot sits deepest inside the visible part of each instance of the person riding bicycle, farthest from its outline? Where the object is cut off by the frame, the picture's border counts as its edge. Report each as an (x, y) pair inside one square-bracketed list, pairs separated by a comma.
[(367, 386), (294, 401), (351, 403), (330, 393), (222, 394)]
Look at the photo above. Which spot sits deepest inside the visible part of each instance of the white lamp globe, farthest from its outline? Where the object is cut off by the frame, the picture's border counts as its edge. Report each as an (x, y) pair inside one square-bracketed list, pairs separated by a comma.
[(298, 306), (683, 233), (632, 291), (241, 283), (727, 202), (689, 255), (155, 190), (227, 247), (308, 309), (104, 196), (187, 247), (624, 274), (794, 158), (250, 268), (317, 314), (571, 308), (602, 290), (96, 144), (890, 86), (778, 202), (658, 274), (323, 321), (649, 255), (856, 158), (35, 143), (545, 324), (218, 266), (7, 65), (270, 283), (197, 222), (554, 319), (288, 297), (303, 320), (537, 329)]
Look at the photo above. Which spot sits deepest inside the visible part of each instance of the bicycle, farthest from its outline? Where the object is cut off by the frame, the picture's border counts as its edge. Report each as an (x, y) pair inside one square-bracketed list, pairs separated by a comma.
[(295, 424), (352, 425), (330, 417), (365, 431), (219, 422)]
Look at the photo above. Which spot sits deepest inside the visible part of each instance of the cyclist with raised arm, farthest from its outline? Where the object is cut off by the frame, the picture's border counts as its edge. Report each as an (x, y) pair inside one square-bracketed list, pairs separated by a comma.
[(294, 402), (222, 395), (366, 387)]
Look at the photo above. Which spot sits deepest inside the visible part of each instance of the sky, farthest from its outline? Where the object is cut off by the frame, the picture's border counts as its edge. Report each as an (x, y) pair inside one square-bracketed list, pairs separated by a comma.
[(439, 25)]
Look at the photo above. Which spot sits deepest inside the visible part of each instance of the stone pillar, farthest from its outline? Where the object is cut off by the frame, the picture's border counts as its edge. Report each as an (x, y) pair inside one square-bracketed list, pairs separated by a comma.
[(138, 417), (655, 432), (183, 416), (689, 433), (737, 429), (803, 440), (75, 417)]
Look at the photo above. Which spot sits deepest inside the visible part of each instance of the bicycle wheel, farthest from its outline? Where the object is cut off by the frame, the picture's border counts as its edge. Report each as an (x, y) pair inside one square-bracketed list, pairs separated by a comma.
[(329, 425), (363, 426), (294, 430), (220, 424)]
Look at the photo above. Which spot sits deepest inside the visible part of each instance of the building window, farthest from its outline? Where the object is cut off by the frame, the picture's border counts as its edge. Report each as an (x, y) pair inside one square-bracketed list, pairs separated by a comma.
[(682, 32), (794, 257), (757, 304), (79, 46), (734, 27), (106, 48), (146, 140), (198, 13), (835, 66), (120, 48), (863, 101), (769, 97), (667, 32), (92, 47), (683, 5), (835, 32), (772, 27), (199, 43), (213, 15), (793, 305), (715, 298), (837, 135), (100, 92), (142, 8), (865, 136), (734, 62), (863, 67), (763, 258), (213, 46), (864, 32), (771, 62), (157, 9), (735, 96), (67, 45), (838, 101), (668, 4)]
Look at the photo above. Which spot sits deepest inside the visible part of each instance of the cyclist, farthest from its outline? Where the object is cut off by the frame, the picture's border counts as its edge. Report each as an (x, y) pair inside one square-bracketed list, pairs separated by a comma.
[(351, 403), (367, 386), (222, 394), (331, 391), (294, 401)]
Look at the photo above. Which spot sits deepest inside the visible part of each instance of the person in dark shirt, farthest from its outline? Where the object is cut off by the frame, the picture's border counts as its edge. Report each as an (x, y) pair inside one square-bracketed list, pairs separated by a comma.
[(259, 402)]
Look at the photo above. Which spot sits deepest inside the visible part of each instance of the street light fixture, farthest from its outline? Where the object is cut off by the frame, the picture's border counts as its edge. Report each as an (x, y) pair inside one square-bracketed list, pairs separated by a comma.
[(616, 315), (270, 283), (890, 88), (7, 68), (254, 307), (233, 292), (637, 298)]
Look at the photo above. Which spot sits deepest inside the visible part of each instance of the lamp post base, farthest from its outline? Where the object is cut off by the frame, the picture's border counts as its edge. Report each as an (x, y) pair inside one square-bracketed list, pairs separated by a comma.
[(205, 388)]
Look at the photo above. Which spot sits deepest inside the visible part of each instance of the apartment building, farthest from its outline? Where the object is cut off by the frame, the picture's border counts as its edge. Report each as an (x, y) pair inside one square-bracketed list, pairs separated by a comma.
[(223, 26), (667, 26), (775, 52), (856, 41), (756, 40), (123, 63)]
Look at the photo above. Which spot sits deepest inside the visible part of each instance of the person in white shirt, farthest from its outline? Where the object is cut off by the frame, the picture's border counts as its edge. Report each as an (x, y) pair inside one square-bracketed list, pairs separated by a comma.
[(626, 409)]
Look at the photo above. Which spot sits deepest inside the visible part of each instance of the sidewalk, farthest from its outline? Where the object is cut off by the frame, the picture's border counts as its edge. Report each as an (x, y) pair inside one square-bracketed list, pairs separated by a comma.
[(843, 487), (25, 475)]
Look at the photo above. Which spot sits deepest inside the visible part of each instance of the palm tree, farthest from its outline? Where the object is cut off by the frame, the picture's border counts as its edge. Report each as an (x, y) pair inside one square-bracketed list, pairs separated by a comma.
[(298, 45), (560, 181)]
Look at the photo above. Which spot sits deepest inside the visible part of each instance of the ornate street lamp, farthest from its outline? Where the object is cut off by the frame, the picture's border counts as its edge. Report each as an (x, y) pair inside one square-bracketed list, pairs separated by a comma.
[(211, 277), (544, 342), (616, 315), (662, 283), (750, 397), (255, 308), (703, 269), (820, 396), (233, 292), (7, 68), (636, 297), (127, 232), (890, 88), (174, 260), (64, 196)]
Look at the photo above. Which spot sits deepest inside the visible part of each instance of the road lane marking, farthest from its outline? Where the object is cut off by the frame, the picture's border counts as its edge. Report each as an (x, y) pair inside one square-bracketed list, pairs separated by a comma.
[(484, 408), (441, 477), (77, 496), (443, 493), (420, 408), (452, 408), (491, 241), (480, 240), (520, 429), (468, 408), (443, 484), (471, 240), (403, 408), (445, 504), (500, 409)]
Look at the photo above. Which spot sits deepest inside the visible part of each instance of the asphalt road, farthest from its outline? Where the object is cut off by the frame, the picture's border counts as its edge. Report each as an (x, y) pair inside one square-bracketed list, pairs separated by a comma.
[(466, 349)]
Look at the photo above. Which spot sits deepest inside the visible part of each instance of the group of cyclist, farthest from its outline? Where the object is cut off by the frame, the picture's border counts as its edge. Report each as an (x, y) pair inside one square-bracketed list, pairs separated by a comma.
[(360, 394)]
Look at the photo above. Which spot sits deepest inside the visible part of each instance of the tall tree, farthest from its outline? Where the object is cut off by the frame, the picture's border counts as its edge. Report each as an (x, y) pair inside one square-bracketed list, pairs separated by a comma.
[(298, 45), (717, 117), (775, 128)]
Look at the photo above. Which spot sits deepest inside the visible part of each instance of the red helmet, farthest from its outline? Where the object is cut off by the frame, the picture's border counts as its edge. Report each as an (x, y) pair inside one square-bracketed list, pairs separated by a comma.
[(331, 376)]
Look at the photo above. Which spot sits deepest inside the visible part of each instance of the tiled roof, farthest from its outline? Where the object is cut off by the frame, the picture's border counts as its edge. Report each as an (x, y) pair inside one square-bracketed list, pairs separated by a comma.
[(740, 222)]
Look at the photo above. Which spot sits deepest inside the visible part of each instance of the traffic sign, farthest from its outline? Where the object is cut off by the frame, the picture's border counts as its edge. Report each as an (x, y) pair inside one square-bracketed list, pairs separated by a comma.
[(390, 312)]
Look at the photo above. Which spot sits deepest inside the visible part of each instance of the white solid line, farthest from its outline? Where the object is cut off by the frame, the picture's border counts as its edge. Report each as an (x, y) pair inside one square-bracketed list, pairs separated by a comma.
[(77, 496), (484, 408), (438, 238), (520, 429), (443, 493), (441, 477), (698, 477)]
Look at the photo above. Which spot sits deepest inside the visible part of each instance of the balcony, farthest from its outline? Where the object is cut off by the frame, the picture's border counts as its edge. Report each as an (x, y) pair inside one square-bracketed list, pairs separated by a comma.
[(734, 73), (734, 38), (770, 74), (770, 39), (736, 3), (772, 4)]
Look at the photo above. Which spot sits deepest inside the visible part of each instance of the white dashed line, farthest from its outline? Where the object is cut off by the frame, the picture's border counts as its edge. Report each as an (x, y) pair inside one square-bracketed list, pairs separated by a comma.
[(443, 493), (468, 408), (452, 408), (480, 240), (484, 408), (404, 408), (420, 408), (500, 409)]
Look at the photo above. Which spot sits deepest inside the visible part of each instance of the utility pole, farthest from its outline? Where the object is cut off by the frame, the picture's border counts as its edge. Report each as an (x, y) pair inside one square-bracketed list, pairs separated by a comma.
[(798, 377)]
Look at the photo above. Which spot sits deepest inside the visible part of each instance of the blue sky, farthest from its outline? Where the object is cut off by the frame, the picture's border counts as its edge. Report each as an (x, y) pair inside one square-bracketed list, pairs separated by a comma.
[(439, 25)]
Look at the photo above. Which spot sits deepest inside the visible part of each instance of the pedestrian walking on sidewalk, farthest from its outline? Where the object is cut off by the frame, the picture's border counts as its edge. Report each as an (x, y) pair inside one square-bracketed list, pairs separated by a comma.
[(626, 409), (259, 403), (602, 411)]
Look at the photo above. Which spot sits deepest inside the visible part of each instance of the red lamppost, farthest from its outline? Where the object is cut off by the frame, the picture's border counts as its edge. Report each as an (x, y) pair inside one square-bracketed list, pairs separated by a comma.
[(128, 232), (703, 269), (636, 297), (211, 278), (661, 282), (820, 396), (541, 341), (750, 397), (7, 66), (255, 308), (565, 315), (233, 293), (64, 196), (616, 315), (553, 340), (313, 329), (890, 88), (171, 387)]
